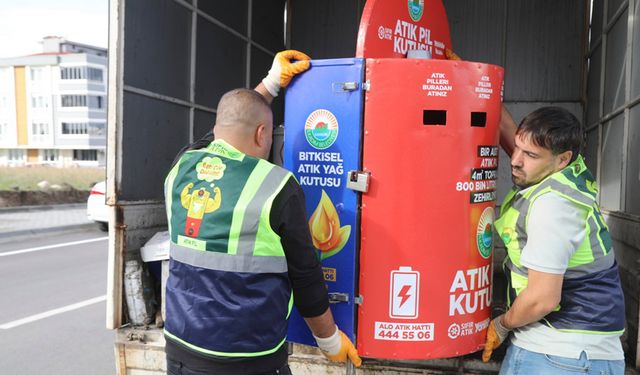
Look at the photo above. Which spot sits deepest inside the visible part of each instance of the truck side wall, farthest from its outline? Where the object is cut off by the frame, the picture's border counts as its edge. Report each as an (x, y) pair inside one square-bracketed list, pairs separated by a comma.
[(170, 61), (613, 141)]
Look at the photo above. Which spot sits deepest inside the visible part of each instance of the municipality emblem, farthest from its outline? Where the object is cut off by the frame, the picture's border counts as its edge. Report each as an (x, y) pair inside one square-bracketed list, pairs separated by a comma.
[(321, 129), (484, 232), (416, 8)]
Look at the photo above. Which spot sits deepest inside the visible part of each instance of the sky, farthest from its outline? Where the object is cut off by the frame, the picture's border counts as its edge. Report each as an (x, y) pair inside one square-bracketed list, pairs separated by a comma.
[(23, 23)]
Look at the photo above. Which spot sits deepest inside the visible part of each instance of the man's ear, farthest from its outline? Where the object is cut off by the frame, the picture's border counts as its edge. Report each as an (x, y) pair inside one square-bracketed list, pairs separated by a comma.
[(564, 159), (259, 135)]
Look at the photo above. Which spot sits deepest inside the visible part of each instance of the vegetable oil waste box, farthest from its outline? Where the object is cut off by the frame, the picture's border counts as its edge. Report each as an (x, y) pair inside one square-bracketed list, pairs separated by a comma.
[(398, 160)]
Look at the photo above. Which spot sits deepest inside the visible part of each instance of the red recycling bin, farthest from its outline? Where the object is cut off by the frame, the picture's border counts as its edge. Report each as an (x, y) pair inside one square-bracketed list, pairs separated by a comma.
[(430, 143)]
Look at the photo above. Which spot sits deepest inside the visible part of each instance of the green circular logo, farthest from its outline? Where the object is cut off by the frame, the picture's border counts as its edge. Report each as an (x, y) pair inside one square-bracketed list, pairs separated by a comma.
[(484, 233), (416, 8), (321, 129), (507, 235)]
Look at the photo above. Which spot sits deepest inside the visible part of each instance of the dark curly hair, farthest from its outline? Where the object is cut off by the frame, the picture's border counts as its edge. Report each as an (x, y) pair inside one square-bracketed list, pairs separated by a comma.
[(554, 128)]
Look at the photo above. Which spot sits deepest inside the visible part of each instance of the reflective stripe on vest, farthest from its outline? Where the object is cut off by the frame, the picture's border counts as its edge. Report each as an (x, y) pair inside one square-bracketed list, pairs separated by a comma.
[(244, 232), (228, 294), (212, 260), (593, 263)]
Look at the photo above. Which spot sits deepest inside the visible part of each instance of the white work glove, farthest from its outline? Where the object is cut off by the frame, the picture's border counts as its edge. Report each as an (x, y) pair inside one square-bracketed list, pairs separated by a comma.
[(283, 70), (338, 347)]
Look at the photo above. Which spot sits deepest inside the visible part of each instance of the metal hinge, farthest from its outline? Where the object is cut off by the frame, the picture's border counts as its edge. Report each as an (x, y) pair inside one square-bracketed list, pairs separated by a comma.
[(358, 300), (366, 86)]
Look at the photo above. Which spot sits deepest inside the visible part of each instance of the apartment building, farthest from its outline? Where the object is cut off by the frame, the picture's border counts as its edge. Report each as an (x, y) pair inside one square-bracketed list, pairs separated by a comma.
[(53, 106)]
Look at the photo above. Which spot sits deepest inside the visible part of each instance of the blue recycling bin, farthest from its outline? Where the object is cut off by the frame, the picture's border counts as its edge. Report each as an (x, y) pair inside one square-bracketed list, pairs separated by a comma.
[(323, 133)]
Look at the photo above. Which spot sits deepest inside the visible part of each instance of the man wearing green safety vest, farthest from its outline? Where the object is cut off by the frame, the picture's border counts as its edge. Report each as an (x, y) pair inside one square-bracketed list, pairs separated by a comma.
[(566, 307), (241, 253)]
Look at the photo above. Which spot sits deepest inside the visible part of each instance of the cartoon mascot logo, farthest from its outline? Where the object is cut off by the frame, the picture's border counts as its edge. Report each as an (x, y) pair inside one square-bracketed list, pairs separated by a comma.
[(200, 201)]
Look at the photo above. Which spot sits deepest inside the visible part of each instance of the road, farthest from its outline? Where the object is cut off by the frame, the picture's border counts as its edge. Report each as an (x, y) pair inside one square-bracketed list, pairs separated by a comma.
[(52, 305)]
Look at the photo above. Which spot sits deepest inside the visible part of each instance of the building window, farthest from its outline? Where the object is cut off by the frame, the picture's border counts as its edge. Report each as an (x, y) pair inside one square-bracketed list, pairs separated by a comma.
[(97, 128), (39, 102), (85, 155), (39, 128), (91, 128), (79, 128), (92, 101), (75, 128), (96, 102), (49, 155), (94, 74), (76, 72), (5, 75), (81, 72), (74, 100), (36, 74), (16, 155)]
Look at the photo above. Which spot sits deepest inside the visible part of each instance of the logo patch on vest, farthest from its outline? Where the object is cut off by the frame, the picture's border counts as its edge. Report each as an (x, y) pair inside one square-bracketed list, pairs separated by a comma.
[(198, 202), (577, 168), (484, 232), (210, 169), (507, 235), (220, 149)]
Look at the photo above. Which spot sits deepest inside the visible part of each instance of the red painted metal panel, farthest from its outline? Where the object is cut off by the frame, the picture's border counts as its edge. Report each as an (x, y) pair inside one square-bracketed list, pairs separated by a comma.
[(430, 143), (388, 28)]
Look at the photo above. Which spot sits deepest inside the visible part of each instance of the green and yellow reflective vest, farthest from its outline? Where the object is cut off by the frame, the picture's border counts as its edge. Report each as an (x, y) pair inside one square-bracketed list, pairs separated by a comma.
[(592, 299), (228, 292)]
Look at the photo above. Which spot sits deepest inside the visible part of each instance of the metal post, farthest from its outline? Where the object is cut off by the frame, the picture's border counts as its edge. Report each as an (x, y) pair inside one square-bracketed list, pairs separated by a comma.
[(351, 369)]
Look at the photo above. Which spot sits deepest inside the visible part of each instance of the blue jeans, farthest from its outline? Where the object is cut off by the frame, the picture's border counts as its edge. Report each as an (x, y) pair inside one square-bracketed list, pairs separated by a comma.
[(519, 361)]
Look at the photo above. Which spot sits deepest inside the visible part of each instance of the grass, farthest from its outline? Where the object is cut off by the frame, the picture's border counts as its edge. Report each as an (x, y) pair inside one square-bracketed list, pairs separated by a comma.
[(27, 178)]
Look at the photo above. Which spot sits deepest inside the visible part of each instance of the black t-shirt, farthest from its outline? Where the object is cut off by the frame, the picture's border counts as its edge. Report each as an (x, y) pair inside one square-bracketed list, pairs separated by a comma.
[(288, 219)]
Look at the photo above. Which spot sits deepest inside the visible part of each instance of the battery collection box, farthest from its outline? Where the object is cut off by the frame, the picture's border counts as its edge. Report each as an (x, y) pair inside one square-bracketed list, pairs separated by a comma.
[(398, 160)]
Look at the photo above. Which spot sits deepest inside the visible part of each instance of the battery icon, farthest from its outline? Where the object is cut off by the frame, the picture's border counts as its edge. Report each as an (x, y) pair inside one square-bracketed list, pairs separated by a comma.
[(404, 293)]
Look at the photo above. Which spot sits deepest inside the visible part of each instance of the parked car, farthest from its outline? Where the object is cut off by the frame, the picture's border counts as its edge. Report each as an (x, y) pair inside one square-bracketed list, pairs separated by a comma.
[(97, 209)]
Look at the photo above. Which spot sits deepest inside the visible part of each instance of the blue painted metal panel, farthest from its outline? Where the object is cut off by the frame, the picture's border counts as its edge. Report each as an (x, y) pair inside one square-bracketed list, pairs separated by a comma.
[(323, 133)]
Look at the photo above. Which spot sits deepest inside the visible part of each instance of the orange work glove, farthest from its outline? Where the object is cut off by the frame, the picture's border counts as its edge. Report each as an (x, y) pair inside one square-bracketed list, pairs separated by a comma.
[(284, 69), (495, 336), (450, 55), (338, 348)]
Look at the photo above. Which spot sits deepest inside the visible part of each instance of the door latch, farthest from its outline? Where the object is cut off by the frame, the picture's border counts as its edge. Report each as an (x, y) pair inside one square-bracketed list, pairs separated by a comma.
[(344, 86), (338, 297), (358, 181)]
